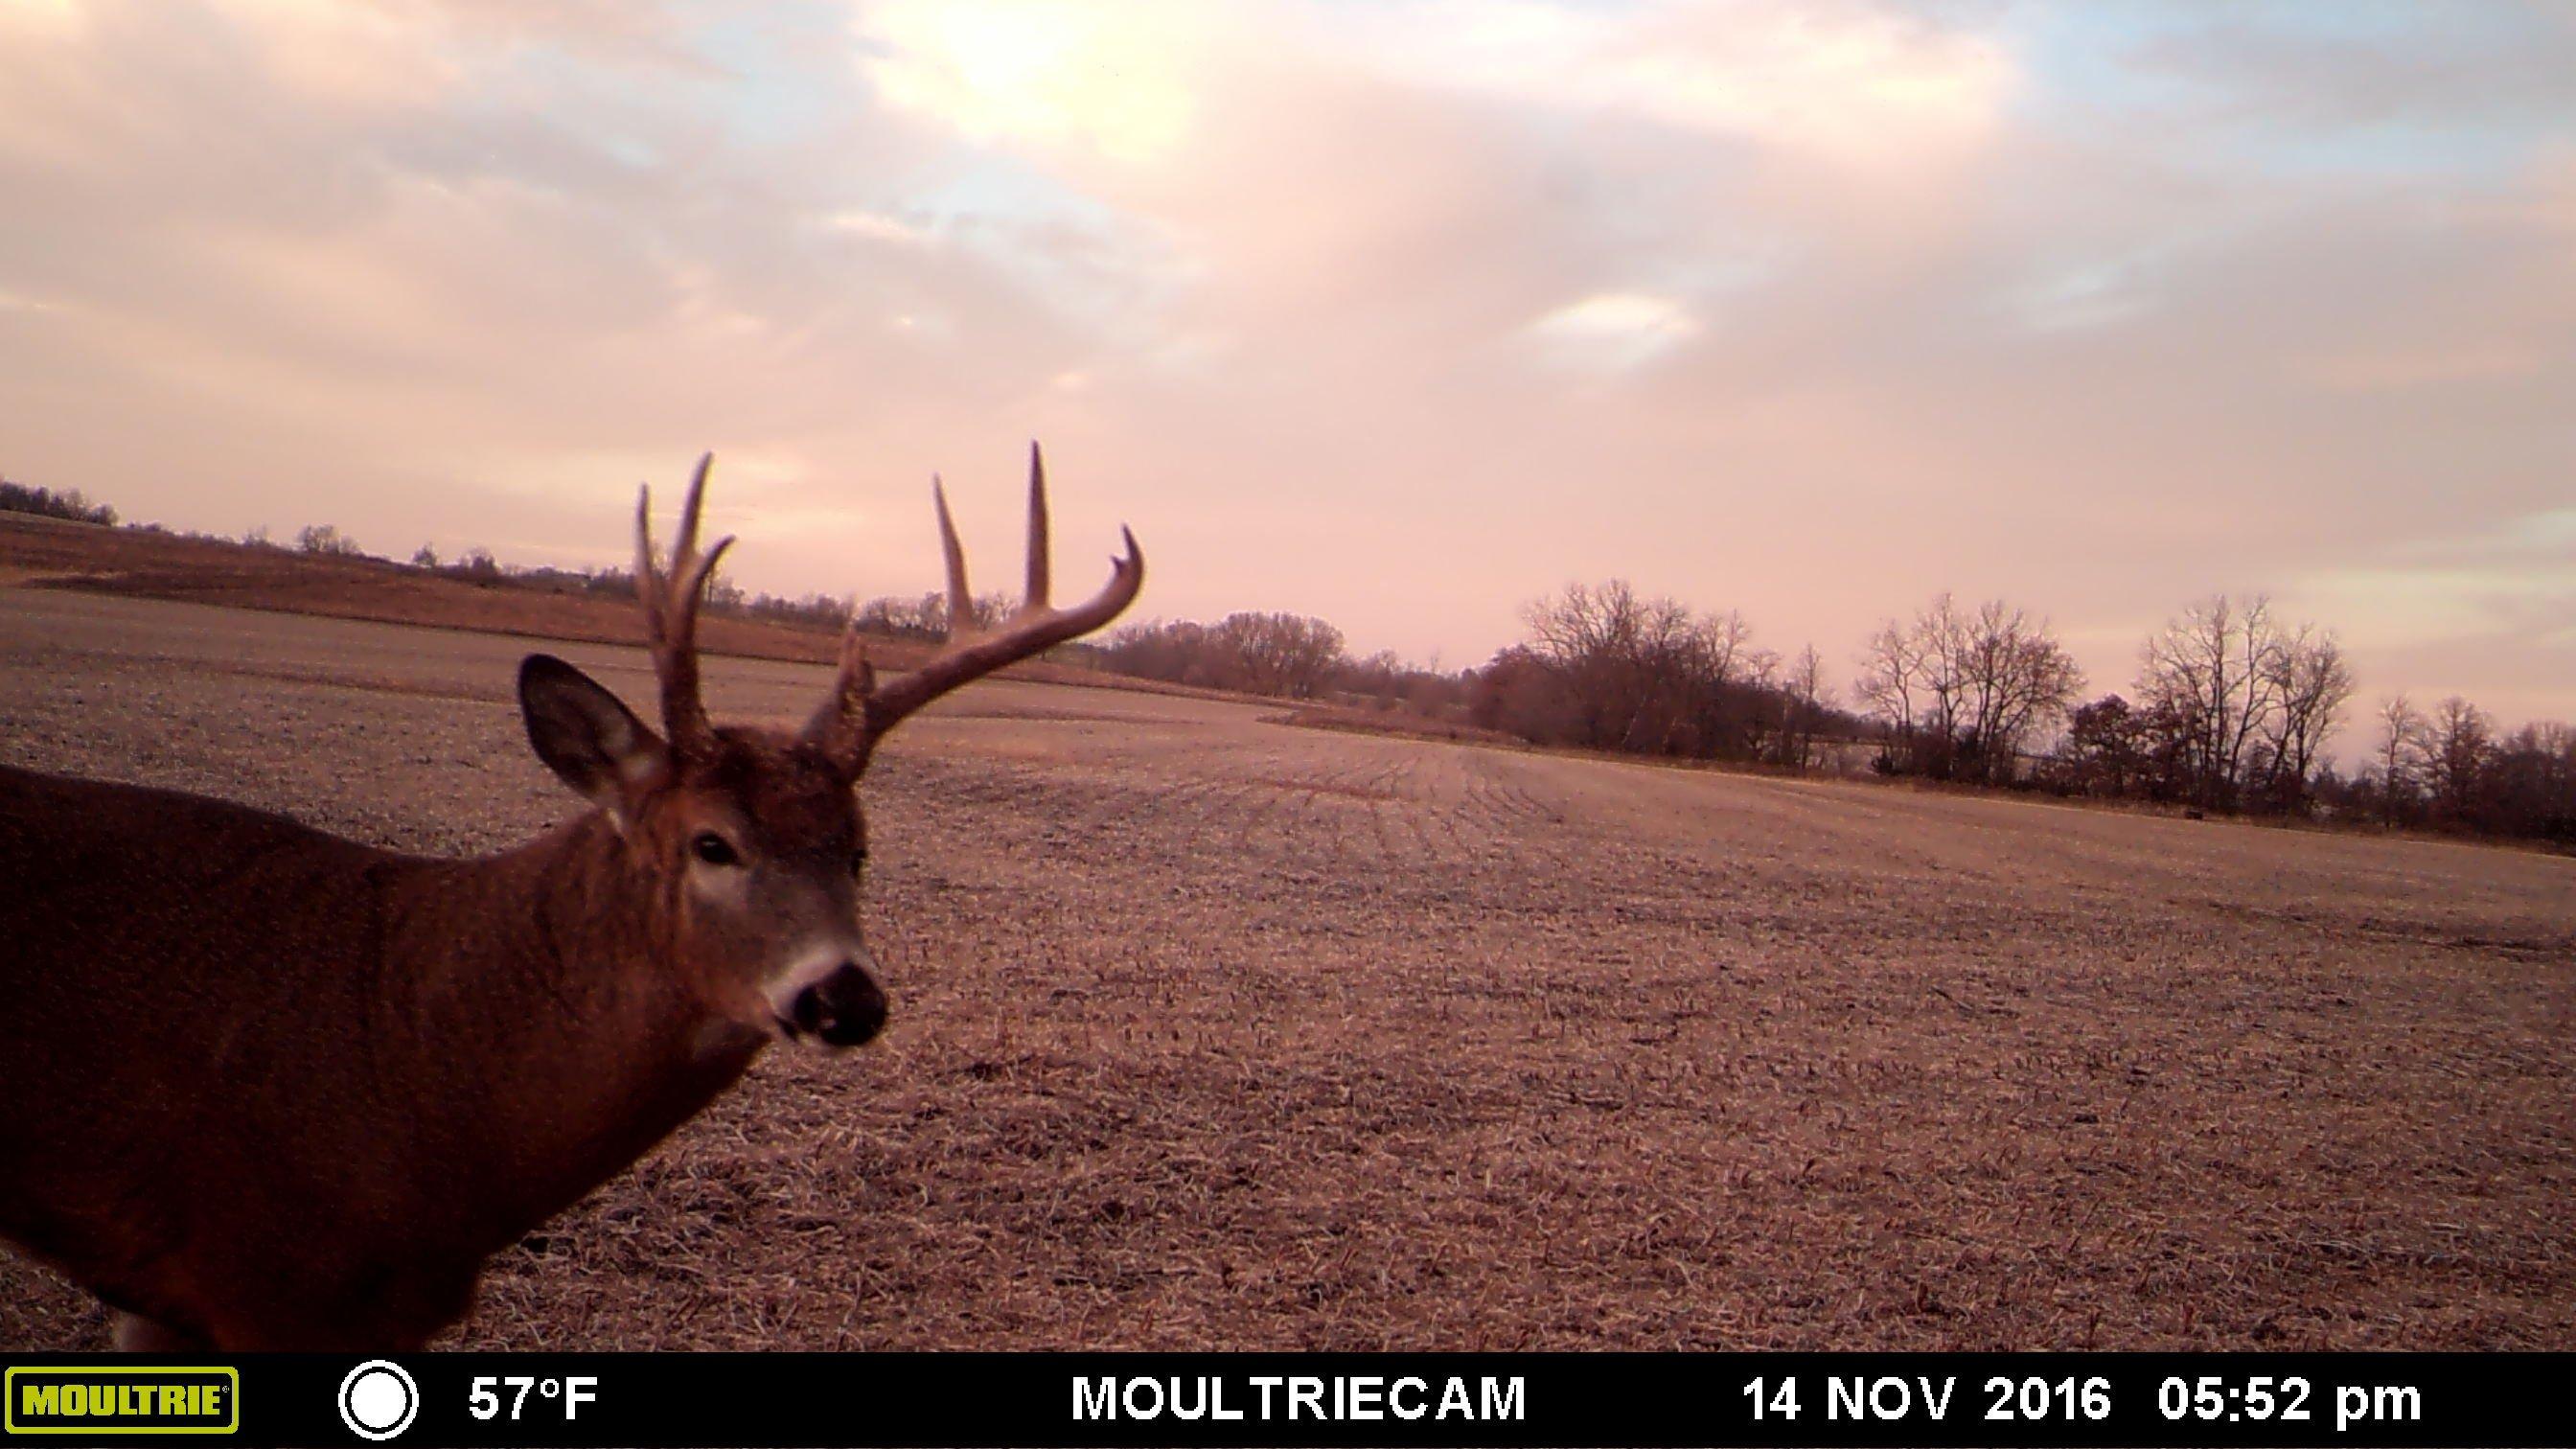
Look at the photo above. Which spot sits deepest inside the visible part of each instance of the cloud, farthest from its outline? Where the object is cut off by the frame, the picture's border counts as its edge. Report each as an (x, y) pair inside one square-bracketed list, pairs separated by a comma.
[(1613, 329), (1808, 307), (873, 226)]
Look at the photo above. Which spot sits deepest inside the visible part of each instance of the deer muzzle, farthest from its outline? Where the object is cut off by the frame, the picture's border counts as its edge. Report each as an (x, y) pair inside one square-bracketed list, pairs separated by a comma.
[(843, 1009)]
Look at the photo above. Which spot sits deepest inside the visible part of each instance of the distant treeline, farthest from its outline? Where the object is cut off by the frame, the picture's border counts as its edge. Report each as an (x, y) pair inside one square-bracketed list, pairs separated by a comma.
[(45, 502), (2231, 710), (1604, 668), (2453, 769), (2233, 713), (1288, 655)]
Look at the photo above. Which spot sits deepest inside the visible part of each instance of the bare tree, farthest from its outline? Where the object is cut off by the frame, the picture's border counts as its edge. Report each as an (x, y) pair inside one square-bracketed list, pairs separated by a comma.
[(2460, 770), (2212, 669), (2458, 739), (1286, 654), (1803, 698), (1609, 669), (1598, 641), (1891, 668), (1709, 674), (2310, 685), (325, 538), (2010, 676), (1180, 651), (1962, 690), (2402, 746), (1523, 692), (1282, 654), (1907, 678), (2529, 783)]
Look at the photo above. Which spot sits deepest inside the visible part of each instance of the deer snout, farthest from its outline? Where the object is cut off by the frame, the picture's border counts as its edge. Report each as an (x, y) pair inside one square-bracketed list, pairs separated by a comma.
[(843, 1009)]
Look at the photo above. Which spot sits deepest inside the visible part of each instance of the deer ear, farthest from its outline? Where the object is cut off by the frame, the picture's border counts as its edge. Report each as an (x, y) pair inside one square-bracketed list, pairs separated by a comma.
[(588, 737)]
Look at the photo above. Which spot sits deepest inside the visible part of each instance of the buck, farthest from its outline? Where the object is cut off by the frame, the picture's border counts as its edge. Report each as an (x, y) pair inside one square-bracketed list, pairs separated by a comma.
[(265, 1088)]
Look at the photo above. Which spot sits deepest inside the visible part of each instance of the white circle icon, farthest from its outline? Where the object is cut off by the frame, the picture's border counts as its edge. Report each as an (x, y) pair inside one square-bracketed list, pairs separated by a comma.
[(378, 1400)]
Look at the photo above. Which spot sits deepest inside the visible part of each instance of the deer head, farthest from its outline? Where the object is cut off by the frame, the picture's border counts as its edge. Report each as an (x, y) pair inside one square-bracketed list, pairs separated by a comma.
[(747, 845)]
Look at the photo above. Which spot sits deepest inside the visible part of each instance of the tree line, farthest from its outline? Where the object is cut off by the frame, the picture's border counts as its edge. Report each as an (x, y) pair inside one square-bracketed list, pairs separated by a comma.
[(2453, 768), (70, 504), (2232, 708), (1606, 668), (1289, 655), (1293, 656), (1958, 692), (2234, 711)]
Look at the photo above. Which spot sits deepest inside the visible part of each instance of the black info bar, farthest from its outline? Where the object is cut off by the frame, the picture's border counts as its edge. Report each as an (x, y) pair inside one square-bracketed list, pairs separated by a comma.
[(1300, 1399)]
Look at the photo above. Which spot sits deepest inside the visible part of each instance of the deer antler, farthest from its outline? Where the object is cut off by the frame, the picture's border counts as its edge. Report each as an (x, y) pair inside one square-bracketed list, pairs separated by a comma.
[(859, 710), (671, 598)]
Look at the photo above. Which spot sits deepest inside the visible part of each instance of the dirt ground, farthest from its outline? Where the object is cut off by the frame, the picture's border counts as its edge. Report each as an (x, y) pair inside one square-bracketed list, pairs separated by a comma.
[(1215, 1033)]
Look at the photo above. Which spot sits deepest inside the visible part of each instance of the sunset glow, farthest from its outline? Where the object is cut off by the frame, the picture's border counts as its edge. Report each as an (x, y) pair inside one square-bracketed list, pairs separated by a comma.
[(1396, 314)]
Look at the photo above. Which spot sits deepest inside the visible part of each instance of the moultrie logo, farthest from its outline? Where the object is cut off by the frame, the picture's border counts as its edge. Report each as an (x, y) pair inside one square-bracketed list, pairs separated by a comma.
[(123, 1400)]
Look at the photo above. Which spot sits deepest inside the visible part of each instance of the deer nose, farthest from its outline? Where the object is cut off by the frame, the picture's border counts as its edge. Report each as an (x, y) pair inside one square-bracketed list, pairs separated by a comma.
[(845, 1008)]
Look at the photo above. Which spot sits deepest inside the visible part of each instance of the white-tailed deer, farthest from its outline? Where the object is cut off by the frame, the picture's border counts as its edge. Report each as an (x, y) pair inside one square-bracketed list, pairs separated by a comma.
[(265, 1088)]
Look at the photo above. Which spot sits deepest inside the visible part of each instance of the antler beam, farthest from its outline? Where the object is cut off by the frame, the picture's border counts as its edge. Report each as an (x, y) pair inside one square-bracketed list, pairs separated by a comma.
[(860, 710)]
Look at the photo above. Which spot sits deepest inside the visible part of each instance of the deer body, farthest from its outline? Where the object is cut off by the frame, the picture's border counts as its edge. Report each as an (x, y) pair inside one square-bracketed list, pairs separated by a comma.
[(470, 1053), (262, 1087)]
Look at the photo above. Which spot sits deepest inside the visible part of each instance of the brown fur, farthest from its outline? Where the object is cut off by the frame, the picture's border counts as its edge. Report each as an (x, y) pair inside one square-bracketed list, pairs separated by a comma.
[(269, 1088)]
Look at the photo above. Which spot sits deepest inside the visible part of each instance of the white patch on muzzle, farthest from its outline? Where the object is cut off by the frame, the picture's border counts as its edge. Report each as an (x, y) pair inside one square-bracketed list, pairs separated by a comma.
[(810, 967)]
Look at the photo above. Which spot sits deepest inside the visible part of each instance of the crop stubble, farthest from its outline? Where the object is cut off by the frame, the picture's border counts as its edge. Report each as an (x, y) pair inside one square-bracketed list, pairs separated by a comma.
[(1211, 1032)]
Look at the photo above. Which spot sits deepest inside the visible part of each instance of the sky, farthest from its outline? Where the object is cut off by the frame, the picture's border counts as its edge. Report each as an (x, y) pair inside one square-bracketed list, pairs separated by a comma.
[(1401, 314)]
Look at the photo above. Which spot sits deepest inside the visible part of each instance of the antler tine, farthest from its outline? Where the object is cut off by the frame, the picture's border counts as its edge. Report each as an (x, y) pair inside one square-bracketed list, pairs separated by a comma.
[(855, 667), (961, 600), (671, 598), (839, 726), (860, 711), (686, 544), (648, 589), (1036, 599)]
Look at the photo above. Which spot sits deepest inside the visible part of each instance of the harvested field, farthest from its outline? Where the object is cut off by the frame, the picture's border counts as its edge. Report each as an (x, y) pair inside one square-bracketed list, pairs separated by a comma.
[(1211, 1032), (50, 553)]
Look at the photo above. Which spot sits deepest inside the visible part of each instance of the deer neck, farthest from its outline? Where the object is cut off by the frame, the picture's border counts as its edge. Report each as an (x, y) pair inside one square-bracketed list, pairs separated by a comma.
[(554, 1043)]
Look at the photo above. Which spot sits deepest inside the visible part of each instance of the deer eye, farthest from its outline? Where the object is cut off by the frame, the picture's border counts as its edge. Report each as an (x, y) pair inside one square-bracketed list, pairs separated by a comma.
[(714, 849)]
